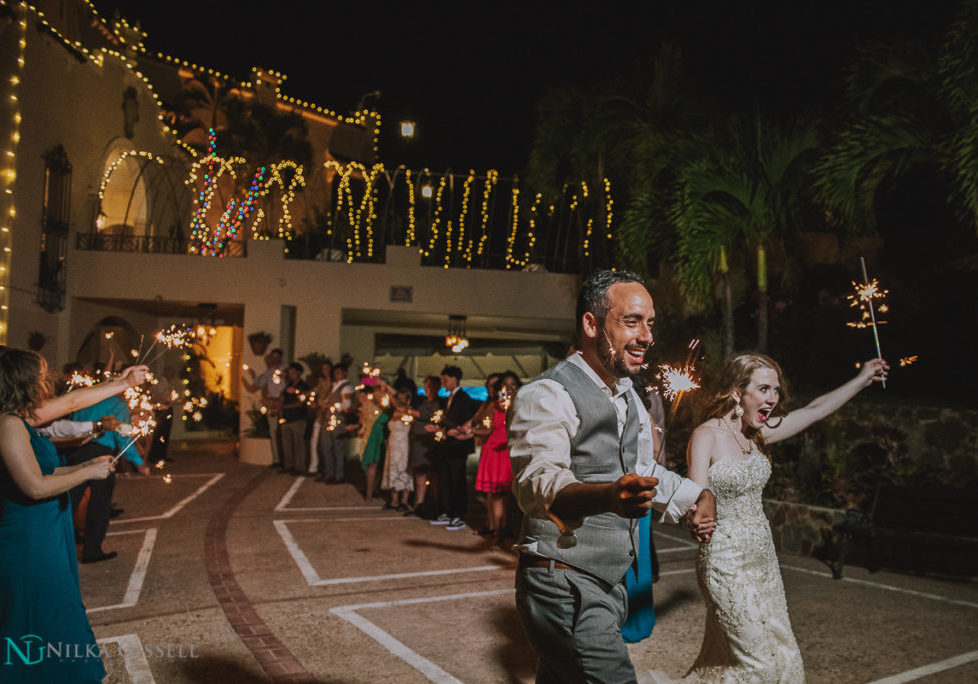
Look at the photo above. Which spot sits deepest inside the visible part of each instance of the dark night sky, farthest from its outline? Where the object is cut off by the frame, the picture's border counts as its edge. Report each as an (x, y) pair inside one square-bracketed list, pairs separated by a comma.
[(469, 72)]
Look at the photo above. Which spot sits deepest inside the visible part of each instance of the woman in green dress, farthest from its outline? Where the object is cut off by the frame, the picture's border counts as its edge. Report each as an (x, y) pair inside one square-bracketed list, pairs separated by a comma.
[(47, 637)]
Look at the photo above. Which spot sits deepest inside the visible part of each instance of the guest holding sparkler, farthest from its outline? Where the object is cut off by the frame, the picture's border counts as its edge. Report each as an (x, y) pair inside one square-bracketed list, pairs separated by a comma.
[(39, 593), (338, 424), (321, 391), (396, 477), (454, 451), (272, 384), (748, 634), (293, 421), (422, 443), (376, 410), (495, 475), (163, 396), (100, 491)]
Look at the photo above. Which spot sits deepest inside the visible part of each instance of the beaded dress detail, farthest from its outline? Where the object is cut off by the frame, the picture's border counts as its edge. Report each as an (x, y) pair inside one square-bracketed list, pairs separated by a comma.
[(748, 635)]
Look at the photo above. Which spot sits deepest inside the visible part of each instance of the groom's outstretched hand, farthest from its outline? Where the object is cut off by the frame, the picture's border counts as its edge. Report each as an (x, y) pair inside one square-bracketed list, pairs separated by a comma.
[(701, 520)]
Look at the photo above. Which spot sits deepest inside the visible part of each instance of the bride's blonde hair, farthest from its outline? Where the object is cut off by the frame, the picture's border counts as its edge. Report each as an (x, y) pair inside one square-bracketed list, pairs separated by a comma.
[(735, 377)]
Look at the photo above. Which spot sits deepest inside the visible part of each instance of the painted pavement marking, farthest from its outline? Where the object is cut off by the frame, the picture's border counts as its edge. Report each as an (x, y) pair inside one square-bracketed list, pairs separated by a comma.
[(314, 580), (138, 575), (130, 647), (176, 509), (282, 505), (398, 648)]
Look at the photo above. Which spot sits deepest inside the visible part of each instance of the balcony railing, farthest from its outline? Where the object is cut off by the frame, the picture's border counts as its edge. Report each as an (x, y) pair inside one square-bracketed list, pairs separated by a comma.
[(150, 244)]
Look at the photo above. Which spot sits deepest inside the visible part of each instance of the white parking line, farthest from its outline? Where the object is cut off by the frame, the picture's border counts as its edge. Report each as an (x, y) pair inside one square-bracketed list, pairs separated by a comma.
[(314, 580), (176, 509), (926, 670), (138, 575), (888, 587), (398, 648), (130, 647), (287, 498)]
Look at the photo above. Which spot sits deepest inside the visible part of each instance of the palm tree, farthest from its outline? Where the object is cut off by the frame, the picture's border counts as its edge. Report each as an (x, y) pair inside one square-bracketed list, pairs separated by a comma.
[(744, 186), (906, 105)]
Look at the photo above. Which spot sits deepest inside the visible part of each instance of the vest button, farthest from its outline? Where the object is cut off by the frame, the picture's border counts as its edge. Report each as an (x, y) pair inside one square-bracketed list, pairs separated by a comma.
[(631, 553)]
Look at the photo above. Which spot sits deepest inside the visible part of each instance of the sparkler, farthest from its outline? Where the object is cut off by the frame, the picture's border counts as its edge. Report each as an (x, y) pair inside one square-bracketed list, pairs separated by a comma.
[(863, 298), (677, 381), (437, 416), (487, 422), (908, 360)]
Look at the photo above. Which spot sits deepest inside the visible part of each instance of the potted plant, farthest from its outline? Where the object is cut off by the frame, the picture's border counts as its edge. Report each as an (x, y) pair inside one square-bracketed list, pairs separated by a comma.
[(259, 342)]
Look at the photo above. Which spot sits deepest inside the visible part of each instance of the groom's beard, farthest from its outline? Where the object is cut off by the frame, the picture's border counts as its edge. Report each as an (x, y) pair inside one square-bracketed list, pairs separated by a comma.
[(611, 359)]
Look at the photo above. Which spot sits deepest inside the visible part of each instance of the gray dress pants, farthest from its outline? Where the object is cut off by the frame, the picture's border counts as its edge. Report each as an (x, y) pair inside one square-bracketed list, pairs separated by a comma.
[(573, 621)]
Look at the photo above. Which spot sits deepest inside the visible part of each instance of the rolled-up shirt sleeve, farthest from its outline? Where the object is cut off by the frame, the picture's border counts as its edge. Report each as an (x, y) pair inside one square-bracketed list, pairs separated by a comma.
[(673, 495), (541, 424), (70, 429)]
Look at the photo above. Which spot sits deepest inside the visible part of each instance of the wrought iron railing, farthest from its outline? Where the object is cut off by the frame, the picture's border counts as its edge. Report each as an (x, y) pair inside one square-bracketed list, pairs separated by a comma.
[(151, 244)]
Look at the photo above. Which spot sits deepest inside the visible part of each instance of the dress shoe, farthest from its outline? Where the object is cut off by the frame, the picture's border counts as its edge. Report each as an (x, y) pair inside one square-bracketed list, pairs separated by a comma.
[(102, 556), (115, 512)]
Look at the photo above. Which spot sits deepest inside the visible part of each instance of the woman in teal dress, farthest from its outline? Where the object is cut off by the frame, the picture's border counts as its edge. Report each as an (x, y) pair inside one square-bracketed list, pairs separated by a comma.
[(46, 634)]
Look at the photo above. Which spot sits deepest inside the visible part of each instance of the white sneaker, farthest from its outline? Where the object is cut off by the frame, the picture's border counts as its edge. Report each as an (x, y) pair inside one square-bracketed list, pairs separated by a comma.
[(456, 524), (442, 519)]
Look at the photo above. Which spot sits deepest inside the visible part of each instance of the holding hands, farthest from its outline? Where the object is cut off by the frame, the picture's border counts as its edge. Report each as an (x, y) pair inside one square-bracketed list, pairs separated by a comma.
[(701, 519)]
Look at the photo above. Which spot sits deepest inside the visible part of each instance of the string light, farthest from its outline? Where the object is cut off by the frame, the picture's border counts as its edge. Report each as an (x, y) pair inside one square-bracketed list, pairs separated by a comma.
[(8, 176)]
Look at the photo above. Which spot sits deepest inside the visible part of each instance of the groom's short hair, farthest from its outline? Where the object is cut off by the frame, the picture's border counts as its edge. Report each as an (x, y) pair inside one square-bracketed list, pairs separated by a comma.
[(593, 297)]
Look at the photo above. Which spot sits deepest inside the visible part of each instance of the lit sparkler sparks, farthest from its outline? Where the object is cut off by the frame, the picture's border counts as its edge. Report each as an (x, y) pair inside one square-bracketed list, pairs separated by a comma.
[(168, 478), (908, 360), (437, 416), (80, 380), (487, 422), (407, 418), (675, 381), (505, 399), (863, 298)]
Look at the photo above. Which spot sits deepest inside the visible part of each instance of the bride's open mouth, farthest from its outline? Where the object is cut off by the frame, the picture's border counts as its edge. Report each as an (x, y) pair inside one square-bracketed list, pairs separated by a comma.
[(764, 414)]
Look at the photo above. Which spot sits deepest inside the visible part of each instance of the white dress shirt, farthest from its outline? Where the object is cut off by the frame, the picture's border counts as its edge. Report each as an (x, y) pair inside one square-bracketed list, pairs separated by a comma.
[(70, 429), (543, 423)]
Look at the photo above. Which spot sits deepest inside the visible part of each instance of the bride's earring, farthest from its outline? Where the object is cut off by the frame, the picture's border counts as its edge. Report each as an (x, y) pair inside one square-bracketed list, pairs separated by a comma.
[(738, 411)]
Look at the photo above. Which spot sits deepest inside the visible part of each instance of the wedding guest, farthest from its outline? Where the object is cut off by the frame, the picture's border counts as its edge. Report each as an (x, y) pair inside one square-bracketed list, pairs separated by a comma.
[(495, 474), (320, 392), (377, 408), (163, 396), (396, 477), (422, 444), (295, 410), (271, 383), (454, 451), (39, 592), (339, 422)]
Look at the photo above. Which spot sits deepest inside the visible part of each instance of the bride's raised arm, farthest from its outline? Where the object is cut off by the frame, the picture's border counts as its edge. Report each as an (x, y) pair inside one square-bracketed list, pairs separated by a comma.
[(872, 371)]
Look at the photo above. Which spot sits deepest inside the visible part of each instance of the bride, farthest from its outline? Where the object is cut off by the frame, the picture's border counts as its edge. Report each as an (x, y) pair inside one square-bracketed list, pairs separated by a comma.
[(748, 635)]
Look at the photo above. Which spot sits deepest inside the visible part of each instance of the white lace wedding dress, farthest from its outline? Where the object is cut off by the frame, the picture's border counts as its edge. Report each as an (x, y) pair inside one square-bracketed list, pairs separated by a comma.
[(748, 635)]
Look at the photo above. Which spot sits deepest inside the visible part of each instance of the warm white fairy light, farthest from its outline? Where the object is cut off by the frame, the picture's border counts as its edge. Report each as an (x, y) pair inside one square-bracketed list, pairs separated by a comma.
[(8, 164)]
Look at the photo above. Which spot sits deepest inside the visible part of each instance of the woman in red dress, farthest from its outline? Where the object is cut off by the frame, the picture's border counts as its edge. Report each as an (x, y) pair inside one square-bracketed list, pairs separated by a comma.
[(495, 474)]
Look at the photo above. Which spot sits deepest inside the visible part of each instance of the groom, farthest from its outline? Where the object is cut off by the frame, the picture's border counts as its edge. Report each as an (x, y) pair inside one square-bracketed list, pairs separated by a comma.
[(581, 448)]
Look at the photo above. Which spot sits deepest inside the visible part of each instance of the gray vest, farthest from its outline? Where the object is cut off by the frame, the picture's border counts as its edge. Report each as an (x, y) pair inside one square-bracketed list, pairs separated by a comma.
[(606, 543)]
